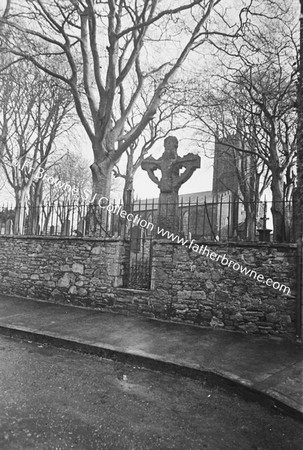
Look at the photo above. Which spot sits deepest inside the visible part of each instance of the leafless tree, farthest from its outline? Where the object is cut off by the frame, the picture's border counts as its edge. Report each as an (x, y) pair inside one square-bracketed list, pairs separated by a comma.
[(168, 118), (113, 49), (253, 97), (35, 111), (65, 193), (71, 170)]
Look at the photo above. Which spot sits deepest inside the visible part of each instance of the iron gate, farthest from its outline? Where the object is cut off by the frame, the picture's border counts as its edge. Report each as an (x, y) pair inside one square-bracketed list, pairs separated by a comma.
[(138, 267)]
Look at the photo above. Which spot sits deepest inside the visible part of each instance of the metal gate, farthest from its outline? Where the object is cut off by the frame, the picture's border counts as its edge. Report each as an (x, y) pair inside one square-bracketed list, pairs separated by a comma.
[(138, 266)]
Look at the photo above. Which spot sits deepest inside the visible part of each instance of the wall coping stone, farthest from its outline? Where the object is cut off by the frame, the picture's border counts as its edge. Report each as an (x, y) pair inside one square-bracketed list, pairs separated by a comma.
[(134, 291), (62, 238), (269, 245)]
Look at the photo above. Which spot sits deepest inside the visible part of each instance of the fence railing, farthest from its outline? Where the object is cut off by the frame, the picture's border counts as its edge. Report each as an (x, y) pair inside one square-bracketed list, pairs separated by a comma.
[(215, 220)]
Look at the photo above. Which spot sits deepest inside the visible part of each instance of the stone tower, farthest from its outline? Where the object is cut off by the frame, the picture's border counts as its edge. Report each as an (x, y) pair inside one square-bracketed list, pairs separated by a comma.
[(235, 173), (225, 169)]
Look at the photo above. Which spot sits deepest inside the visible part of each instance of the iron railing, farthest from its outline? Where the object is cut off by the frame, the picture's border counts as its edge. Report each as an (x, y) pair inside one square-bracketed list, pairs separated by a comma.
[(218, 219)]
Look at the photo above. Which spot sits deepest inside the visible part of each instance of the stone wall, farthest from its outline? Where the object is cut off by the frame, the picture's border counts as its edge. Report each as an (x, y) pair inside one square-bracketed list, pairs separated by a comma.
[(67, 270), (186, 286), (198, 290)]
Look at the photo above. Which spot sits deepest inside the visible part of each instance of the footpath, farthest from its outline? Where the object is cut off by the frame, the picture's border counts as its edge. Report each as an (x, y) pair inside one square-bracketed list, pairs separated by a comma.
[(268, 370)]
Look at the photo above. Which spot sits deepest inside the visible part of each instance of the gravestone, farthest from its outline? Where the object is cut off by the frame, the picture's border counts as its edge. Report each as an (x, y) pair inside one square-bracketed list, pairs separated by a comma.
[(170, 165)]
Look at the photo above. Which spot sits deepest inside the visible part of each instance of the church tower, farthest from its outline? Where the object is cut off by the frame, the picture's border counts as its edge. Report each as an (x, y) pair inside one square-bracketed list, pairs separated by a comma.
[(225, 177), (235, 174)]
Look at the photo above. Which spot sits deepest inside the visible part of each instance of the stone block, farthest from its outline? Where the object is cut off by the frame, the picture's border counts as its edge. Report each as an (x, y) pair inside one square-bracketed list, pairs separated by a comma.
[(252, 314), (78, 268), (12, 274), (56, 293), (118, 281), (96, 250), (82, 292), (221, 296), (201, 275), (198, 295), (209, 284), (66, 280), (216, 322), (113, 269), (249, 327), (228, 323), (215, 276), (184, 295), (285, 319), (72, 290), (88, 272), (263, 326), (206, 314), (98, 273), (273, 317), (34, 277), (237, 317)]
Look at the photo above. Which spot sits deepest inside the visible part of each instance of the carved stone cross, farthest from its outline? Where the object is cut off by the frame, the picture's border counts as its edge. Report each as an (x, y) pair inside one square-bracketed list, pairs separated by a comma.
[(170, 165)]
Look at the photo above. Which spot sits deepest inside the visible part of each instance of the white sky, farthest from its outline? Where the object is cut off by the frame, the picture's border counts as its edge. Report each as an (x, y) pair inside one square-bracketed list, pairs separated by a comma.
[(2, 5)]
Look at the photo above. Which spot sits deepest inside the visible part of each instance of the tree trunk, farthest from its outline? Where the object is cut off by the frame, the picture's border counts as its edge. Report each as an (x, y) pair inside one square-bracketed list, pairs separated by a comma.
[(250, 221), (35, 206), (21, 197), (277, 190), (102, 178), (277, 208), (249, 187), (128, 193), (98, 221)]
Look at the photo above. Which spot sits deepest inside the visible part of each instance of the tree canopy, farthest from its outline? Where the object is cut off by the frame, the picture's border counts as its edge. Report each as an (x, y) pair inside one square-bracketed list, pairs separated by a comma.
[(107, 51)]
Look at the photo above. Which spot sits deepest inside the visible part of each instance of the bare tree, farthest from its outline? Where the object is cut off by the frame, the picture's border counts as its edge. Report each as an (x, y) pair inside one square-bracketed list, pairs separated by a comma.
[(112, 50), (70, 171), (35, 111), (254, 97), (65, 193), (168, 118)]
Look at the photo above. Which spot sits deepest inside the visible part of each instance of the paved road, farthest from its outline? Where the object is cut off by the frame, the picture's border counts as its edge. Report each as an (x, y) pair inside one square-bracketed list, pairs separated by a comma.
[(58, 399)]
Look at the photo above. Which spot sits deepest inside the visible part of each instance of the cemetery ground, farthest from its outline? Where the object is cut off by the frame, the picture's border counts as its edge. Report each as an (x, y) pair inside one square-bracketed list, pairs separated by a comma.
[(53, 398)]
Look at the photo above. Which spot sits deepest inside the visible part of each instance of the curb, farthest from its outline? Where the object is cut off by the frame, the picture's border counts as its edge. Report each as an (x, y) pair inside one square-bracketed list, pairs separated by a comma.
[(226, 381)]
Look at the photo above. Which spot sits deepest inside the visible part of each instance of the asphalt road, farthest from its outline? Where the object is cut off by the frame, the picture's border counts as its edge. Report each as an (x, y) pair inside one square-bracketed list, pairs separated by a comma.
[(58, 399)]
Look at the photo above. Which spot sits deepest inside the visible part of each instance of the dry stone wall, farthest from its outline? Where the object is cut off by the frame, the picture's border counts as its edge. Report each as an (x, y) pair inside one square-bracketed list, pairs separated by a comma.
[(68, 270), (186, 286), (204, 292)]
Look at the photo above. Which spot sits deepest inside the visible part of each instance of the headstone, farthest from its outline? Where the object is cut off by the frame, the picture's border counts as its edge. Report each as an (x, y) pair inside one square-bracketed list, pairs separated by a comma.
[(170, 165)]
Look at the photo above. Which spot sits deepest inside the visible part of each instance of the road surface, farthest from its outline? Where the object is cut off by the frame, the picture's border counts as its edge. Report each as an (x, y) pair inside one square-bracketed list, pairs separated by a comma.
[(59, 399)]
